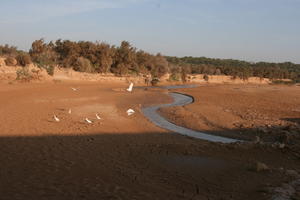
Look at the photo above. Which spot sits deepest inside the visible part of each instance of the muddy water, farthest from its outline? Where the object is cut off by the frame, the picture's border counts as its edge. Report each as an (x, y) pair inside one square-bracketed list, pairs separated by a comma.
[(180, 100)]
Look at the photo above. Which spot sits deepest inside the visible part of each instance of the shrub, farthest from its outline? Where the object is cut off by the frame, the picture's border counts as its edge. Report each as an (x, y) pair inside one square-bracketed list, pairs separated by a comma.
[(218, 72), (183, 76), (43, 61), (154, 81), (83, 65), (23, 74), (205, 77), (283, 82), (8, 50), (174, 77), (23, 59), (175, 73), (160, 66), (185, 70), (50, 70), (11, 61)]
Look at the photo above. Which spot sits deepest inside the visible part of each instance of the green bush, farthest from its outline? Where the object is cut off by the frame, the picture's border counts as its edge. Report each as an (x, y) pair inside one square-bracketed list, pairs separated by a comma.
[(175, 77), (23, 74), (175, 73), (50, 70), (43, 61)]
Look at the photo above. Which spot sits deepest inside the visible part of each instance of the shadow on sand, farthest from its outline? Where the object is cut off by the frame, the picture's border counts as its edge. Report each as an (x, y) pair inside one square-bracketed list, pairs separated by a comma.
[(132, 166), (294, 120)]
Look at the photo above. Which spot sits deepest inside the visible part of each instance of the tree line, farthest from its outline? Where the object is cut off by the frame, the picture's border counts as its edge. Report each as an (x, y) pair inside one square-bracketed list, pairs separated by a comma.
[(237, 68), (92, 57), (100, 57)]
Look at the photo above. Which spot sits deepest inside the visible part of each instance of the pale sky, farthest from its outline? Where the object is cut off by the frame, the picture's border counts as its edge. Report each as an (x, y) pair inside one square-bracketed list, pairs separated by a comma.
[(252, 30)]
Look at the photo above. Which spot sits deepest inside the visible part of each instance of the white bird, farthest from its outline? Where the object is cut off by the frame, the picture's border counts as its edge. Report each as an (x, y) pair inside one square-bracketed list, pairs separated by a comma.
[(88, 121), (56, 118), (70, 111), (97, 116), (130, 112), (129, 89), (74, 89)]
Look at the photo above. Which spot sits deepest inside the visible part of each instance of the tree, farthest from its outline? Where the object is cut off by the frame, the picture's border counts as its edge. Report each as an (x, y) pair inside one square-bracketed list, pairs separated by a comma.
[(125, 59), (83, 65), (43, 54), (159, 66)]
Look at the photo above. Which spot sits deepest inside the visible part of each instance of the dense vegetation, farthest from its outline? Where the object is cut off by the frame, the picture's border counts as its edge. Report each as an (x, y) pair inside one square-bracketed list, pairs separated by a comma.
[(8, 50), (236, 68), (99, 57), (14, 56)]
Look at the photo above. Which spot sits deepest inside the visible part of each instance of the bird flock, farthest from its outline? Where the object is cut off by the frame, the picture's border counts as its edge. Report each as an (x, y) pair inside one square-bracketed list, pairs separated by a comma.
[(88, 121)]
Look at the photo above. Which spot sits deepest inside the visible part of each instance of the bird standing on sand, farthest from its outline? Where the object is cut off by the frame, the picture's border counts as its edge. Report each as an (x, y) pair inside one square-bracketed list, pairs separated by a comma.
[(70, 111), (88, 121), (98, 117), (56, 118), (74, 89), (129, 89), (130, 112)]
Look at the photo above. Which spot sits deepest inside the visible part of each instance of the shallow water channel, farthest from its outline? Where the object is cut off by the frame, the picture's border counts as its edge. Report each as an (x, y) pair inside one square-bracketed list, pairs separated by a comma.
[(180, 100)]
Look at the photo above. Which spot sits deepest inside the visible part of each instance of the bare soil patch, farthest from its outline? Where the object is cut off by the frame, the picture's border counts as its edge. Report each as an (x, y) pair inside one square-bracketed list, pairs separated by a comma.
[(120, 156)]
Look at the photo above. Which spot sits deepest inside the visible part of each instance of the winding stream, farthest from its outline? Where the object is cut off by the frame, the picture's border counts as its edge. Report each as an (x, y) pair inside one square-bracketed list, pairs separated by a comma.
[(180, 100)]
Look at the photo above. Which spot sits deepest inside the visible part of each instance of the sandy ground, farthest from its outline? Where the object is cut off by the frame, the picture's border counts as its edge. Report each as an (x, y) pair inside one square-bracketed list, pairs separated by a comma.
[(240, 111), (125, 157)]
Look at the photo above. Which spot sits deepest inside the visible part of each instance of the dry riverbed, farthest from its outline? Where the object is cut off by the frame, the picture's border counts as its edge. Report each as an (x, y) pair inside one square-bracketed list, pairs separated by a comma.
[(127, 157)]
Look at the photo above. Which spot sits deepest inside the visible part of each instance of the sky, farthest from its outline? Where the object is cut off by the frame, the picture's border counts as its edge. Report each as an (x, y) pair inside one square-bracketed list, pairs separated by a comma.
[(252, 30)]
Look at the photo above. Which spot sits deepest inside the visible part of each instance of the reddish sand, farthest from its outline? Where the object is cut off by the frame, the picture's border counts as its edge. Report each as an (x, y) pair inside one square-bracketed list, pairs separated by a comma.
[(239, 111), (120, 156)]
